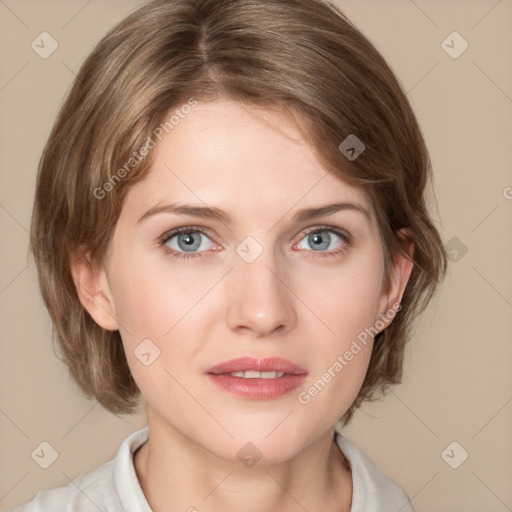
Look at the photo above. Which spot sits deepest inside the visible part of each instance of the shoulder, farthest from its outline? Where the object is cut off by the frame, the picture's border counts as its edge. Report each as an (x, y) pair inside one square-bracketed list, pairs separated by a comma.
[(372, 490), (106, 488), (90, 492)]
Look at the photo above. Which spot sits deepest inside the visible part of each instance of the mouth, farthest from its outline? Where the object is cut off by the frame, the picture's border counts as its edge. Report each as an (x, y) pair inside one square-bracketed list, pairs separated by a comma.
[(257, 379)]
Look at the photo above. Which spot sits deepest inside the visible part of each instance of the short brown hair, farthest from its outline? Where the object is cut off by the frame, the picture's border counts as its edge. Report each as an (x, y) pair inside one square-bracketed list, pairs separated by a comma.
[(303, 57)]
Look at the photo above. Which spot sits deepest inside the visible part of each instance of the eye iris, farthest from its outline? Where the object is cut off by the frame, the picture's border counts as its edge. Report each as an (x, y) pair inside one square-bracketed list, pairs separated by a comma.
[(188, 243), (318, 241)]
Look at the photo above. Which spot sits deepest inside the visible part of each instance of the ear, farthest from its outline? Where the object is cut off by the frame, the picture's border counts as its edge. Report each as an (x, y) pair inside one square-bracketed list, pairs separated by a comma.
[(93, 289), (400, 273)]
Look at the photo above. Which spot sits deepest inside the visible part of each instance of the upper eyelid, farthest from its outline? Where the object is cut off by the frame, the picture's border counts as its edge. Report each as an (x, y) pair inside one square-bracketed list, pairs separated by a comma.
[(327, 227), (185, 229)]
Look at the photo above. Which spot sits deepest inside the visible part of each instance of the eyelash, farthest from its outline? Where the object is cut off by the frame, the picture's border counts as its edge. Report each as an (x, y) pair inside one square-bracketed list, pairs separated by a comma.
[(346, 238)]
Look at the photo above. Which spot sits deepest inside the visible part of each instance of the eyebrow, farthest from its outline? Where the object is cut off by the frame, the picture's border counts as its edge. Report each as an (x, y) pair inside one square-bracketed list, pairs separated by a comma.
[(213, 213)]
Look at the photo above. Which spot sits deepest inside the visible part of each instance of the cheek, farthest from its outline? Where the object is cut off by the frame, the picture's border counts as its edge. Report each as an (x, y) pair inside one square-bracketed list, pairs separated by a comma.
[(342, 362), (345, 299), (164, 311), (347, 305), (334, 389), (154, 300), (153, 307)]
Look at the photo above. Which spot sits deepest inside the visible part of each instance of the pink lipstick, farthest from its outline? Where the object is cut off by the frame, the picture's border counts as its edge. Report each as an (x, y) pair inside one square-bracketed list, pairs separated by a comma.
[(258, 379)]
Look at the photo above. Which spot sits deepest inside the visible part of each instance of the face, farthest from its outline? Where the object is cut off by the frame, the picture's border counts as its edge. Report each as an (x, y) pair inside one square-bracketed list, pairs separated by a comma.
[(226, 262)]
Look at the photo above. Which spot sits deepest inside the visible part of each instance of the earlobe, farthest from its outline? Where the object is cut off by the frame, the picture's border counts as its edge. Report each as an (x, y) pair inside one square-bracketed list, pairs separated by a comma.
[(93, 290)]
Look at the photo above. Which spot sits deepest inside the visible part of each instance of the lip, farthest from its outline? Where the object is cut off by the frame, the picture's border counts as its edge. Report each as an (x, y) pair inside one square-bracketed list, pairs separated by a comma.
[(257, 388), (261, 365)]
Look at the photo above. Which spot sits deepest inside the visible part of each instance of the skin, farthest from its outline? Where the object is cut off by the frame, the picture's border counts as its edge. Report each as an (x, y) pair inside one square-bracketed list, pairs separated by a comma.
[(293, 301)]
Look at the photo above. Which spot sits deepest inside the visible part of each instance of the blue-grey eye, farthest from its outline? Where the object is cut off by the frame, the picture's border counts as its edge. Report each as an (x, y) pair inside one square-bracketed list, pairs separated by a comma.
[(190, 241), (321, 240)]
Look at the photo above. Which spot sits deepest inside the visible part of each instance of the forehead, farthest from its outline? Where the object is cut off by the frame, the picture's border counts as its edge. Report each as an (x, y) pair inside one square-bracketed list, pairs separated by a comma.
[(247, 160)]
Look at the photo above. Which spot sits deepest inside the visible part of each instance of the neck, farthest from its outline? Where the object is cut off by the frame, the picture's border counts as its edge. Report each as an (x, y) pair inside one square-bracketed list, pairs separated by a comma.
[(177, 474)]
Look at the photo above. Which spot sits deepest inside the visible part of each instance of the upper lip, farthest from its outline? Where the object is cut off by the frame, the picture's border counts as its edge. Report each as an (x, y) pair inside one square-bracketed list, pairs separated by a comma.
[(267, 364)]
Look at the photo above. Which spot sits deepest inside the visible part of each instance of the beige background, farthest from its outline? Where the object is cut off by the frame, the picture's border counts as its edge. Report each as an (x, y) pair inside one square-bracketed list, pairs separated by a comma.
[(458, 382)]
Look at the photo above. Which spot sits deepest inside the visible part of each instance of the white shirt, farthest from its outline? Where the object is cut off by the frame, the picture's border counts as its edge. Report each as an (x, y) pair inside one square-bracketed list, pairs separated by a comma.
[(114, 486)]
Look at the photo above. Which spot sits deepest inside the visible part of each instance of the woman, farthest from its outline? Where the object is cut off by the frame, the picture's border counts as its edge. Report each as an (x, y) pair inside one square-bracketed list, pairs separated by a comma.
[(230, 221)]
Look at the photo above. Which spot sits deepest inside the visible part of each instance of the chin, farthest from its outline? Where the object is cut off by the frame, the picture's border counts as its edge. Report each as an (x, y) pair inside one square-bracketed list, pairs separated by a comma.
[(256, 446)]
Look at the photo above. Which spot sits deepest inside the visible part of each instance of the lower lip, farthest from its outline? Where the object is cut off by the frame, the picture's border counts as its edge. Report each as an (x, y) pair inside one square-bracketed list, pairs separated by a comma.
[(258, 389)]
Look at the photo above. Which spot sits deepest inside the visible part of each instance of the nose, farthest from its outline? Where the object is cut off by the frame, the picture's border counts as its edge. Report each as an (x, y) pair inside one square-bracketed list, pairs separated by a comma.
[(261, 301)]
